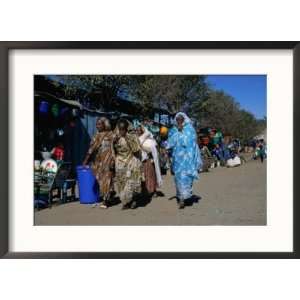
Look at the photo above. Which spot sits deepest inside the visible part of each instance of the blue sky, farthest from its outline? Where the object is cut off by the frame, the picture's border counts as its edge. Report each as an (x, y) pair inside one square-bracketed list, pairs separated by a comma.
[(249, 90)]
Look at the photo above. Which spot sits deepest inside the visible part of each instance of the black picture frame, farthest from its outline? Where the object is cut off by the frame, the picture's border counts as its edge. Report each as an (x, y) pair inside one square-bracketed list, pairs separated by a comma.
[(5, 47)]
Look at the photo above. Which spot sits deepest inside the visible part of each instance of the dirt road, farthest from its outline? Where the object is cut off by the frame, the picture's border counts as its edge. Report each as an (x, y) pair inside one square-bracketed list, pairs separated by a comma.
[(235, 196)]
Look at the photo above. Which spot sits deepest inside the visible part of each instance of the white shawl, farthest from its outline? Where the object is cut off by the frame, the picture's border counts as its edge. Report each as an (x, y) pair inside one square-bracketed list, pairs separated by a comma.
[(148, 145)]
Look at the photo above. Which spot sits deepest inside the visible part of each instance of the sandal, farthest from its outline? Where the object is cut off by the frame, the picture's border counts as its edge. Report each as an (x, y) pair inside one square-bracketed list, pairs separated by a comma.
[(124, 207), (181, 204), (133, 205), (103, 206)]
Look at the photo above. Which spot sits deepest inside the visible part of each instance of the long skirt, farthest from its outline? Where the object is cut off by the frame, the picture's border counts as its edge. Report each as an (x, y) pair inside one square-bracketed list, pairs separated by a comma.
[(184, 186), (150, 176), (128, 180), (104, 178)]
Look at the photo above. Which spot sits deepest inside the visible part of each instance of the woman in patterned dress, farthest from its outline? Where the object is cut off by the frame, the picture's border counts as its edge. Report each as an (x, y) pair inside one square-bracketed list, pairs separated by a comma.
[(100, 156), (128, 165), (186, 158)]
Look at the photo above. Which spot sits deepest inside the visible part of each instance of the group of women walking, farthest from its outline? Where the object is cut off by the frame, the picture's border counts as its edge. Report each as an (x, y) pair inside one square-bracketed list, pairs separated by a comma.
[(125, 160)]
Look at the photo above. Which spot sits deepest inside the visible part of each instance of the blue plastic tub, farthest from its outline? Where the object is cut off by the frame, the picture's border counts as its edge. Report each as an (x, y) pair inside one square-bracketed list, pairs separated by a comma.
[(88, 185)]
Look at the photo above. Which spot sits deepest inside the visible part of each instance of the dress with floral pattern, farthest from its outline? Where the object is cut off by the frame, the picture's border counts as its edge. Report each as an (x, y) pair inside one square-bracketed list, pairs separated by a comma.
[(128, 168)]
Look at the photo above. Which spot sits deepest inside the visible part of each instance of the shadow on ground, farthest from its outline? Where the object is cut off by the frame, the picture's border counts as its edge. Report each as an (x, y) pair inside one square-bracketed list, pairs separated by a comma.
[(190, 201), (147, 198)]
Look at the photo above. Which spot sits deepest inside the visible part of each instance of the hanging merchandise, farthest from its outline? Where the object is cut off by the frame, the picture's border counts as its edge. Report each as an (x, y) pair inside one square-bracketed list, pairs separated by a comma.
[(60, 132), (44, 107), (156, 117), (49, 165), (164, 119), (75, 112), (163, 131), (46, 155), (58, 152), (63, 111), (55, 110)]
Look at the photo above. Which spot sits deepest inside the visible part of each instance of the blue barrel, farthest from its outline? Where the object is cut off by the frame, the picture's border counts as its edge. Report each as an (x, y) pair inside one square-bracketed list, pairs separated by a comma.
[(88, 185), (44, 107)]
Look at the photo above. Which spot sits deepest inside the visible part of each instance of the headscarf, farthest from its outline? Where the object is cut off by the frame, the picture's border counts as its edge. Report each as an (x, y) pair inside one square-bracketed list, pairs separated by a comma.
[(187, 120), (130, 128), (105, 121), (148, 144), (187, 123), (147, 135)]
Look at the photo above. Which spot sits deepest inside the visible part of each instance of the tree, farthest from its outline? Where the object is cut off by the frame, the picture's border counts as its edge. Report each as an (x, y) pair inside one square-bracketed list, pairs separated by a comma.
[(220, 110), (217, 110), (247, 126), (98, 88), (172, 92)]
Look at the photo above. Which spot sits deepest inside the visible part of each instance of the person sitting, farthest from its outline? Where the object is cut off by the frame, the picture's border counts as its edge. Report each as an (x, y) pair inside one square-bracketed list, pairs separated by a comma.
[(218, 154)]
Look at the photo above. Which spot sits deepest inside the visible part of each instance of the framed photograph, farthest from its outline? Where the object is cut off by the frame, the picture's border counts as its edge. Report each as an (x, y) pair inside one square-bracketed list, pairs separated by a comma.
[(149, 149)]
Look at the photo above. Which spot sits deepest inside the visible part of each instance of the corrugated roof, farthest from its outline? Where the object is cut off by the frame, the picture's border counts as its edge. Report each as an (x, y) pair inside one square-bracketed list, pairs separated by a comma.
[(77, 104)]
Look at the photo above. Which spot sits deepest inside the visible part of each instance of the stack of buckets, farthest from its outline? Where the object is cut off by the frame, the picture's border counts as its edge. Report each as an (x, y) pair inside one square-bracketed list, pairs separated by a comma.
[(88, 185)]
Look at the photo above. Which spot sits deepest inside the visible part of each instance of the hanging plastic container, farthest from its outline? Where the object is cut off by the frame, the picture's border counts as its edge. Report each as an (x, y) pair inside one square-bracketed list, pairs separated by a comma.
[(88, 185), (44, 107), (75, 112), (63, 111), (55, 110), (164, 131)]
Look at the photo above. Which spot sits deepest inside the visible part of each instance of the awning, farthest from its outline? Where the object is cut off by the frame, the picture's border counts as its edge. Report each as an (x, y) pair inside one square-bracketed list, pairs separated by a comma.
[(73, 103)]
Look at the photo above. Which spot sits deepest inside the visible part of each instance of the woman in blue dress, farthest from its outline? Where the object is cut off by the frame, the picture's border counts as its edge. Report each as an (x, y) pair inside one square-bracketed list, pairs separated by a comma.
[(186, 157)]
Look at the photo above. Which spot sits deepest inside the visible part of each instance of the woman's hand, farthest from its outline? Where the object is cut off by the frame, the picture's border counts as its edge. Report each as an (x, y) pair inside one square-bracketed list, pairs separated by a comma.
[(180, 126), (116, 139), (112, 165), (85, 163)]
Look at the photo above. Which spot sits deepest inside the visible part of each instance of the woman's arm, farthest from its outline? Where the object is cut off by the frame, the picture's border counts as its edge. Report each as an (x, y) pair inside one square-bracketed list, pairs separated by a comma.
[(133, 142), (90, 151), (145, 135)]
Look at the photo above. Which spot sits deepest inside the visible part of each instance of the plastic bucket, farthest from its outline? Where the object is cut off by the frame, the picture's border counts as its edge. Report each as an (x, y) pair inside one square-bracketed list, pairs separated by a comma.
[(44, 107), (87, 185), (55, 110)]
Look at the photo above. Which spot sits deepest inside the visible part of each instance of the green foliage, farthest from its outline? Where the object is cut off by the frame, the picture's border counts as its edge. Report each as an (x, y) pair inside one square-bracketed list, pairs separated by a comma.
[(220, 110), (97, 87), (171, 92)]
